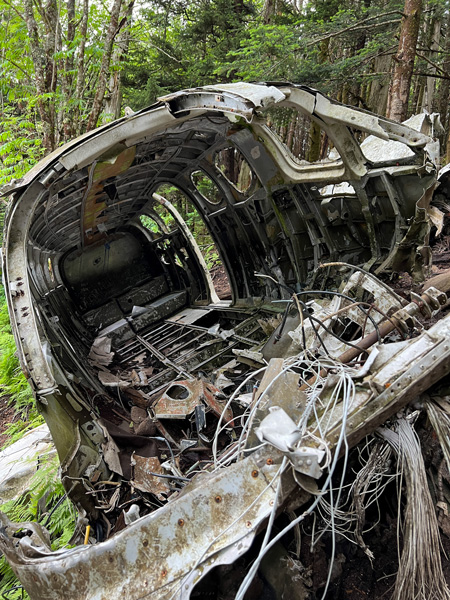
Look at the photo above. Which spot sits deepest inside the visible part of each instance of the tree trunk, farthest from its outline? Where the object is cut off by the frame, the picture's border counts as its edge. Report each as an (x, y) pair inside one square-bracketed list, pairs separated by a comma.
[(38, 58), (434, 49), (442, 98), (314, 147), (269, 11), (114, 98), (397, 108), (81, 65), (111, 33)]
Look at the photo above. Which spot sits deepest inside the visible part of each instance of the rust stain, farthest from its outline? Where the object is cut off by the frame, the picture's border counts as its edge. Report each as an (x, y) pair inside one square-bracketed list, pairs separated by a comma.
[(144, 480), (181, 398), (95, 201)]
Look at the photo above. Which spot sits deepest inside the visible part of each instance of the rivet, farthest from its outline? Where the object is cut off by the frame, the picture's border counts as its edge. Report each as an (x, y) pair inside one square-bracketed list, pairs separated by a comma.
[(164, 573), (269, 461), (218, 499), (181, 522), (309, 462), (145, 543), (255, 473), (248, 524)]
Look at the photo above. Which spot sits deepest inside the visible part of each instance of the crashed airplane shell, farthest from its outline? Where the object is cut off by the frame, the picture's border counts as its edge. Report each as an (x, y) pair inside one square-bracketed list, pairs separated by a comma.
[(93, 291)]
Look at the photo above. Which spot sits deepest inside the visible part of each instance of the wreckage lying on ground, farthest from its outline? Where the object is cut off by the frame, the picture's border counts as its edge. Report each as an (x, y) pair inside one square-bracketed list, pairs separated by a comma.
[(189, 426)]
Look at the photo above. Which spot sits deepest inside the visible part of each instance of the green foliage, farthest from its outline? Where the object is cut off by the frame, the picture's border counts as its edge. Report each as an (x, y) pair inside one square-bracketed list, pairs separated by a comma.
[(20, 144), (57, 517), (181, 44), (14, 384), (191, 216), (44, 502)]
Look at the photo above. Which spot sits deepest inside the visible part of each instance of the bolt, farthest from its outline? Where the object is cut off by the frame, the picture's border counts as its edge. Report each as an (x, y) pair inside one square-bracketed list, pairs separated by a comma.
[(255, 473), (269, 461), (181, 522), (218, 499)]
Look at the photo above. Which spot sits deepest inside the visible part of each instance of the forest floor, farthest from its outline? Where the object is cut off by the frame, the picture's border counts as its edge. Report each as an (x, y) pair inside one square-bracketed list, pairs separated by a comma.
[(221, 283), (7, 416)]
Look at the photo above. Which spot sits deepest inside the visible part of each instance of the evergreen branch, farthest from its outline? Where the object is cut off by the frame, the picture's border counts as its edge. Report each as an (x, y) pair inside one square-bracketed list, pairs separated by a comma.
[(434, 65), (420, 74), (357, 25), (166, 53)]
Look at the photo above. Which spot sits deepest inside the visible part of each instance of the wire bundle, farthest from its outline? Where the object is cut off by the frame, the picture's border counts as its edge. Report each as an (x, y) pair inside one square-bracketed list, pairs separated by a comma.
[(420, 575)]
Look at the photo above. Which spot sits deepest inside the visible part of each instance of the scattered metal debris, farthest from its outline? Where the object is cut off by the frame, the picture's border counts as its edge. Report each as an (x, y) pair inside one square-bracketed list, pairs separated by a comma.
[(187, 422)]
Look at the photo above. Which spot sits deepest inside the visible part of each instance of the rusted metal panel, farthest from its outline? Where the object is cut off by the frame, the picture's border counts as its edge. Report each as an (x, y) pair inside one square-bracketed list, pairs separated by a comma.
[(220, 514)]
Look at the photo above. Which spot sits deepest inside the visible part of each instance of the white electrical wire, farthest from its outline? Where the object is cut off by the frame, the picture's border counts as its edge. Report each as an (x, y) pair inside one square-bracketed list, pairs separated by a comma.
[(346, 382)]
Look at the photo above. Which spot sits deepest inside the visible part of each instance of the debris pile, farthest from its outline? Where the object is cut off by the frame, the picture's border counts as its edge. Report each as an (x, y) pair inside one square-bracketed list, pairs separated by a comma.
[(351, 361), (268, 444)]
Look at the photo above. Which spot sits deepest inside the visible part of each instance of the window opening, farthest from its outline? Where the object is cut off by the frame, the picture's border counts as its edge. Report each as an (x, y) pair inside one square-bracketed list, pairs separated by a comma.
[(200, 232), (233, 166), (301, 135), (206, 187)]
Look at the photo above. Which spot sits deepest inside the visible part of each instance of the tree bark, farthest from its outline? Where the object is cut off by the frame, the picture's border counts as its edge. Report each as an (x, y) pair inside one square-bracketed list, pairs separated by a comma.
[(111, 33), (38, 58), (434, 48), (114, 98), (442, 98), (269, 11), (397, 108)]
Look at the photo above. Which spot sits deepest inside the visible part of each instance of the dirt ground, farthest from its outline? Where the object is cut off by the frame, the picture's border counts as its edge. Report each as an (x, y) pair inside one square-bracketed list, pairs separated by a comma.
[(221, 283), (6, 417)]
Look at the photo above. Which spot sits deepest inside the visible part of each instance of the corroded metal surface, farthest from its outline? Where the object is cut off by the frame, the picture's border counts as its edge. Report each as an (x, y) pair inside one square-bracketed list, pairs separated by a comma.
[(220, 512), (113, 310)]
